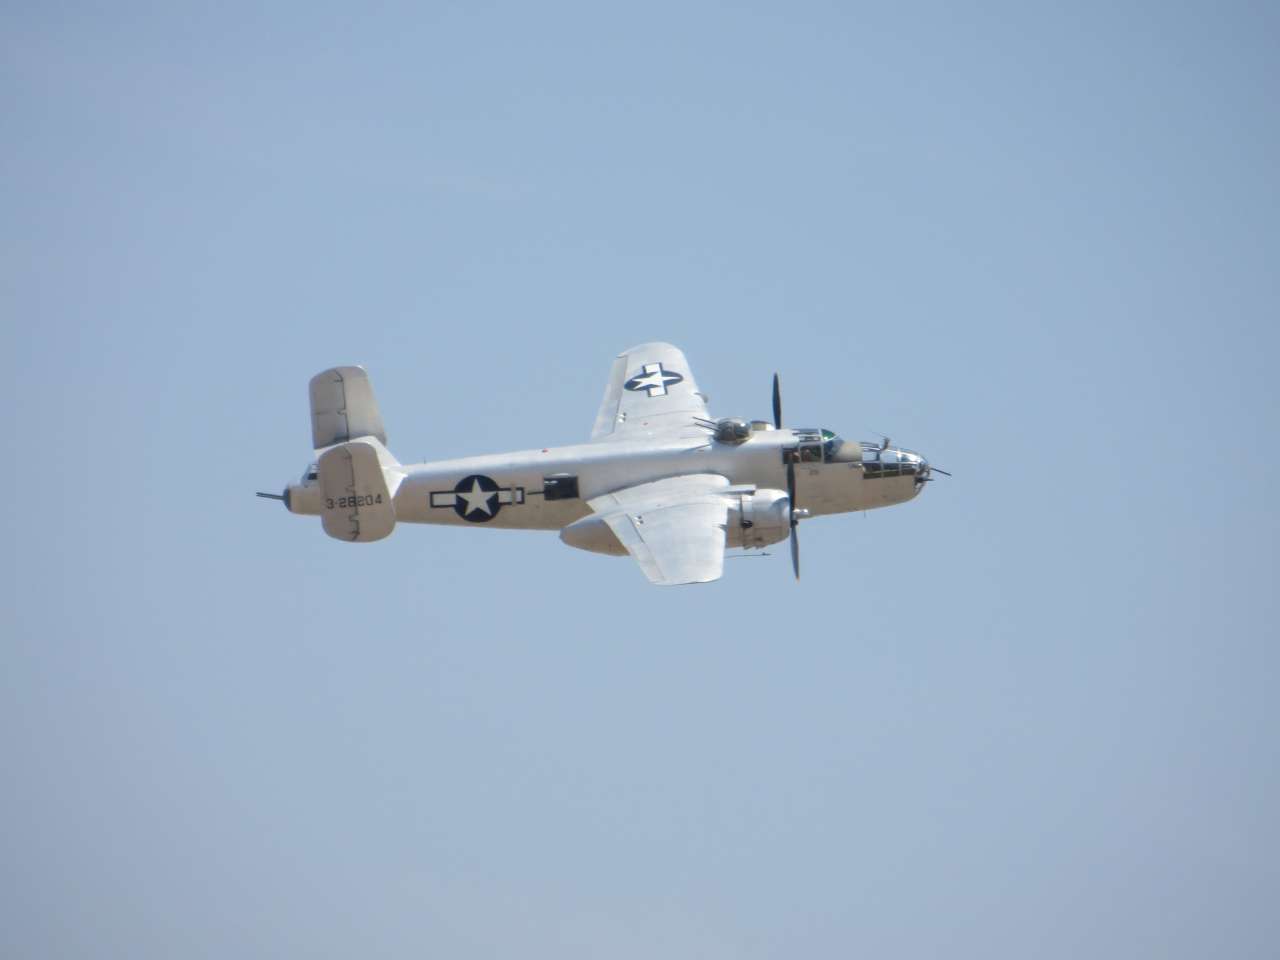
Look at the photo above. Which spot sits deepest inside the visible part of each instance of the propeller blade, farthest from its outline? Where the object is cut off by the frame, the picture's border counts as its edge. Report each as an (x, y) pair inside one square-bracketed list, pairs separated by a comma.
[(939, 470), (791, 499), (791, 479), (272, 496), (795, 551)]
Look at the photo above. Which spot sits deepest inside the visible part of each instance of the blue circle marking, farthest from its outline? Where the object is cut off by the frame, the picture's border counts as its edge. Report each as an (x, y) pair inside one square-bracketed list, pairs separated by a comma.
[(476, 498)]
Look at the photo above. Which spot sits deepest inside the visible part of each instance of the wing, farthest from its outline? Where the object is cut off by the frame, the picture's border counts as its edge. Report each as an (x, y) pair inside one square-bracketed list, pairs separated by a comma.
[(651, 392), (674, 528)]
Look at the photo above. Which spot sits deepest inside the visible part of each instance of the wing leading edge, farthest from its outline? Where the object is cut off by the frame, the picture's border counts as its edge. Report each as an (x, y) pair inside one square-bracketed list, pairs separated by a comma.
[(674, 528), (651, 392)]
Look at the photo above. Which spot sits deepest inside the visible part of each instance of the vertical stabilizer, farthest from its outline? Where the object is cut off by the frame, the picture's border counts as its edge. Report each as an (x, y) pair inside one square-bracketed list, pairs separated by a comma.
[(343, 408), (358, 483)]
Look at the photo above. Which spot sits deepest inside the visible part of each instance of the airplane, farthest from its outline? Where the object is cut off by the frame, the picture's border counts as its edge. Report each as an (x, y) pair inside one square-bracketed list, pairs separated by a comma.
[(659, 479)]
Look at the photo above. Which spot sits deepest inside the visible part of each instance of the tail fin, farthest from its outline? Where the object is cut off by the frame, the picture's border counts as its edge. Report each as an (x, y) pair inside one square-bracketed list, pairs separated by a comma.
[(358, 484), (358, 477), (343, 408)]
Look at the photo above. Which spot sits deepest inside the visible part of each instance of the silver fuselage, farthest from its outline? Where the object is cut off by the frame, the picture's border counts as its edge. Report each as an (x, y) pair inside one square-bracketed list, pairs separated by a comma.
[(428, 493)]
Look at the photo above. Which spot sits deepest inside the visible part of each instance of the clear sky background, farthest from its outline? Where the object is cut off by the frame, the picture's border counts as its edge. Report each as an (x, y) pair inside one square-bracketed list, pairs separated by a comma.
[(1029, 714)]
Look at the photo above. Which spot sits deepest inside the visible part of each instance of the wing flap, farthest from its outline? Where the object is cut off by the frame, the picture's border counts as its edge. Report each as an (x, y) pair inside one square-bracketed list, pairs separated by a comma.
[(607, 416), (674, 528)]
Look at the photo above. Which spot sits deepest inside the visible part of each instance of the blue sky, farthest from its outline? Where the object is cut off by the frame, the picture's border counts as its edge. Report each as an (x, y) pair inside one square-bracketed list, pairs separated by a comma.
[(1030, 712)]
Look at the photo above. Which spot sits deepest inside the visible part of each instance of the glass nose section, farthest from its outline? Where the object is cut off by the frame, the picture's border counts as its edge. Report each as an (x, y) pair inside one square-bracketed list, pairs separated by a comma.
[(922, 470), (913, 464), (882, 461)]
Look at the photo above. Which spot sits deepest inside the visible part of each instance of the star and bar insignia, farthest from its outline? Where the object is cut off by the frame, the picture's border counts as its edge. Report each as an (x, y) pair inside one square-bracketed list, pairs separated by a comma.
[(477, 498)]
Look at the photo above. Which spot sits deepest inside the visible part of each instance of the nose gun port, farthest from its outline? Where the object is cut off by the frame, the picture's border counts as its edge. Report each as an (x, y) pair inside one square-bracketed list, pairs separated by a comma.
[(925, 472)]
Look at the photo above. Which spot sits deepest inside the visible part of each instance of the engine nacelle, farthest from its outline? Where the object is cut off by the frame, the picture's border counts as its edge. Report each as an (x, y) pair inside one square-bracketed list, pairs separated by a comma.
[(758, 519)]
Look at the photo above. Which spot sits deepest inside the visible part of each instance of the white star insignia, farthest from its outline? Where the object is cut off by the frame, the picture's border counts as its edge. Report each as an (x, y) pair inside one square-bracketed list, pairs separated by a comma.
[(478, 498)]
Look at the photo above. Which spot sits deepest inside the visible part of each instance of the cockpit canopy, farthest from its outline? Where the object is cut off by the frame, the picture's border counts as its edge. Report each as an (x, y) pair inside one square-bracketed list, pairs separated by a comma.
[(826, 446)]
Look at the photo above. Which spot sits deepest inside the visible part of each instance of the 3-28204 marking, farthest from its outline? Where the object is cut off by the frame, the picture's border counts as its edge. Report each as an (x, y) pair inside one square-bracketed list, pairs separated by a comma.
[(343, 503)]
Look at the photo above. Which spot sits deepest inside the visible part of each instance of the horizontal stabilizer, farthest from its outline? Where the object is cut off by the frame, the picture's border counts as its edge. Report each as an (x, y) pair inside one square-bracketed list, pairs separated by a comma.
[(357, 483), (343, 408)]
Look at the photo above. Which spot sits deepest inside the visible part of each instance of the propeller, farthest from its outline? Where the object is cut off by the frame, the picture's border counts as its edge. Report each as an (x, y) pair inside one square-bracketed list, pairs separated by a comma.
[(791, 481), (795, 520)]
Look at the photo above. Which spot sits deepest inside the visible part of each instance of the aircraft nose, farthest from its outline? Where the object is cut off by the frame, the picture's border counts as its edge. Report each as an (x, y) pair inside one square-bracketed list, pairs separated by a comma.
[(922, 469), (925, 471)]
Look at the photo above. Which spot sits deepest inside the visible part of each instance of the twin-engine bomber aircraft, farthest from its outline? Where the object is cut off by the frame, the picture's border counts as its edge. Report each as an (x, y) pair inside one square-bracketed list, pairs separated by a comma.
[(659, 479)]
